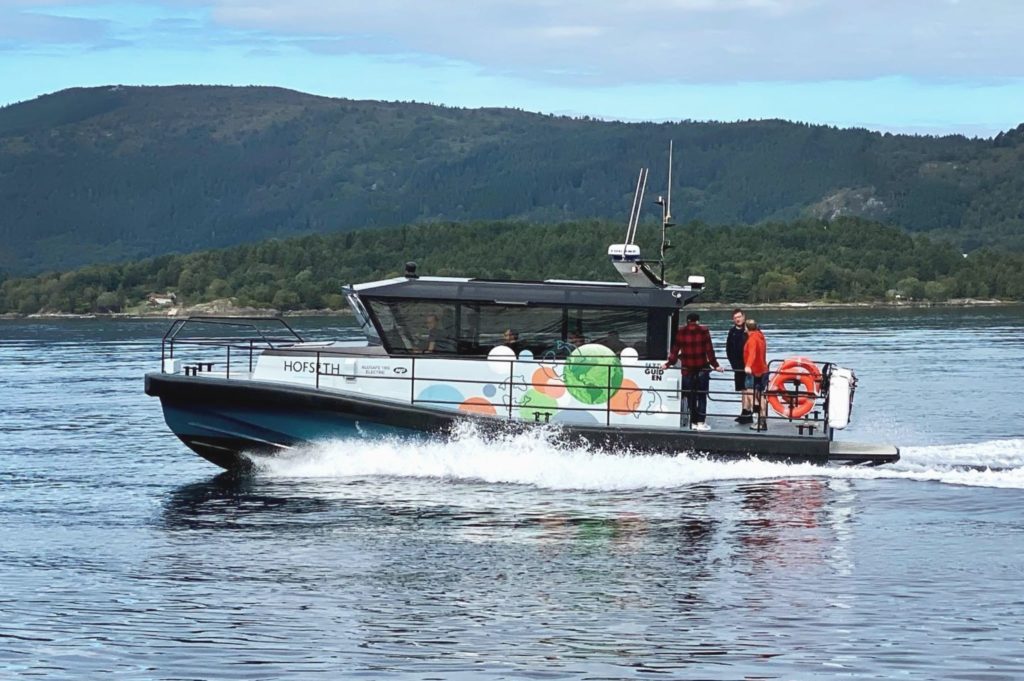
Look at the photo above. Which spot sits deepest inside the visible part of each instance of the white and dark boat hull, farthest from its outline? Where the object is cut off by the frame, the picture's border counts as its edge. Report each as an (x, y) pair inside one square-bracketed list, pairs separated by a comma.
[(222, 419)]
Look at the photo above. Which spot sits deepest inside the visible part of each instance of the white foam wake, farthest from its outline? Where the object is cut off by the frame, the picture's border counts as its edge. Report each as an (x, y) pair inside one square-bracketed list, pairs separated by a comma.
[(996, 454), (532, 459)]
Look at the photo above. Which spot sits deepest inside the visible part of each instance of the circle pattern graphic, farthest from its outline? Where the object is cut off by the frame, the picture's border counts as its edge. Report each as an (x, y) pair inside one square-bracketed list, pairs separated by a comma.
[(536, 406), (478, 405)]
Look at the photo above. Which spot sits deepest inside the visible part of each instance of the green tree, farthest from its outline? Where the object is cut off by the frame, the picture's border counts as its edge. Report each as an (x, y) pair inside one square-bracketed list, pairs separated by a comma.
[(107, 302), (286, 299), (775, 287), (935, 291), (910, 288)]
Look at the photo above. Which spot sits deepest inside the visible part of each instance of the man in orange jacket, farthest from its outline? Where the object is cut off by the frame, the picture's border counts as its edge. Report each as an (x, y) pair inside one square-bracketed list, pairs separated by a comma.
[(755, 364)]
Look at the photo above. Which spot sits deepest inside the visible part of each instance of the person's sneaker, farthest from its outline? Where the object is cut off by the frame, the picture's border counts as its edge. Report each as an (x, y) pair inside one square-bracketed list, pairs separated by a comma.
[(700, 426), (744, 419), (759, 426)]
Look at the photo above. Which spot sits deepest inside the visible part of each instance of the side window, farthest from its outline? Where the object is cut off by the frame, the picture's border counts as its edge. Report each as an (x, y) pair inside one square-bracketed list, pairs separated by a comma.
[(395, 338), (363, 318), (413, 326), (534, 328), (417, 327), (616, 328)]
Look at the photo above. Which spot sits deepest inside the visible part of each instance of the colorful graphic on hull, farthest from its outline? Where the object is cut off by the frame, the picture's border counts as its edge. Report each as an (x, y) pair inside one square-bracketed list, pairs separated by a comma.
[(588, 386)]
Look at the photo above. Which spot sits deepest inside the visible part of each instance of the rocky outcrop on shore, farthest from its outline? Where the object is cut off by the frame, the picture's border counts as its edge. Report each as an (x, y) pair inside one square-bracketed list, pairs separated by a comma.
[(222, 307)]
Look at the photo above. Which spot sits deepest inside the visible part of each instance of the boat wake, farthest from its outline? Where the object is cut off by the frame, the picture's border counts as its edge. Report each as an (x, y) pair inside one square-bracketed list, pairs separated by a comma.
[(534, 459)]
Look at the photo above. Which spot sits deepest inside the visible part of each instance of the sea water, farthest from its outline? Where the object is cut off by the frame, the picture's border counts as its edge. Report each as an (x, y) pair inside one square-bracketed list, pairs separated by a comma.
[(124, 555)]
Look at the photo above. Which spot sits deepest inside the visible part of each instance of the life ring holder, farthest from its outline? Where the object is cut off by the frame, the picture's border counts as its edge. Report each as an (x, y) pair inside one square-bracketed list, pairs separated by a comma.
[(795, 388)]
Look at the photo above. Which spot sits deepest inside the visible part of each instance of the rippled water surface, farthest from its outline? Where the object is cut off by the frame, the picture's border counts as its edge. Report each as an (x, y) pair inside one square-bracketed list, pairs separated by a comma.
[(123, 555)]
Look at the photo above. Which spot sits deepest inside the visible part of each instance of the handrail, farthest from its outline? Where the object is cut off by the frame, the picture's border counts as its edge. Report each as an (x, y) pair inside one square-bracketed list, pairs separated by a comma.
[(607, 386), (171, 336), (723, 396), (179, 325)]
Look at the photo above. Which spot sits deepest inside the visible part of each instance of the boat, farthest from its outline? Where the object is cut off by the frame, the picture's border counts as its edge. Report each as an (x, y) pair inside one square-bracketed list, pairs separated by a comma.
[(581, 360)]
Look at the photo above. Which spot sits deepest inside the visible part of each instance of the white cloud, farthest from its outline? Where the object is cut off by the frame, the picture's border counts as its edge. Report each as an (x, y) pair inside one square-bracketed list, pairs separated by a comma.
[(579, 42), (606, 42), (19, 29)]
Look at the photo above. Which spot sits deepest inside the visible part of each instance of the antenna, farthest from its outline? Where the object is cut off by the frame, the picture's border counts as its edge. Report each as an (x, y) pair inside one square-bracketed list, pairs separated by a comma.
[(632, 208), (668, 207), (666, 215), (639, 205), (626, 256), (666, 211), (638, 199)]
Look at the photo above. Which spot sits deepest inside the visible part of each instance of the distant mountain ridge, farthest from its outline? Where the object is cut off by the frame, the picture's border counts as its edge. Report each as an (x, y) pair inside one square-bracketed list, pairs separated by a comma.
[(92, 175)]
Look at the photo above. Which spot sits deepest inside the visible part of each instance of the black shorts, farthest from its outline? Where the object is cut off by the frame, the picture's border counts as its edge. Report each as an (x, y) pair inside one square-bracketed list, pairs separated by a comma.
[(757, 383), (740, 380)]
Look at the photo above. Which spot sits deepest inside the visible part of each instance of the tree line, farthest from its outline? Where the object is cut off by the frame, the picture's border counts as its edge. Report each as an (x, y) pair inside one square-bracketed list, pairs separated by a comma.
[(845, 260)]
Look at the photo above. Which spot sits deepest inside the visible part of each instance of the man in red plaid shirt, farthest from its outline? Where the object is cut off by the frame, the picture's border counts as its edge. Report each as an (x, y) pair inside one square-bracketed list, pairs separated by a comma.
[(696, 354)]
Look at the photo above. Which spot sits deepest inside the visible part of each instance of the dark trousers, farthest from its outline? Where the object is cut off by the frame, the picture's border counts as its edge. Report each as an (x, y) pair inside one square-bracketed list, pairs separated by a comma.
[(695, 390)]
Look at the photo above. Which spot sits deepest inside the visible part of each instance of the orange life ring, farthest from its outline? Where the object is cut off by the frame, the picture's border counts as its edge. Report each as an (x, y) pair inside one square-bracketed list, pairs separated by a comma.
[(795, 387)]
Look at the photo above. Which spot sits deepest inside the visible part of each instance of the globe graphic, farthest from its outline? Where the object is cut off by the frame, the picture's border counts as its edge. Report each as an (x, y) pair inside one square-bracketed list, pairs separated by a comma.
[(589, 373)]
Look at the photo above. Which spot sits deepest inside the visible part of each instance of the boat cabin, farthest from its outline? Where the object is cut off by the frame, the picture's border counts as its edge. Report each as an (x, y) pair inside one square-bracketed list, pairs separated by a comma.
[(469, 317)]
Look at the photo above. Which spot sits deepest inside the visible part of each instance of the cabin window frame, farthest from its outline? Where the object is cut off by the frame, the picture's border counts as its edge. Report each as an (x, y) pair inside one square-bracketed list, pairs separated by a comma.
[(367, 323), (659, 324)]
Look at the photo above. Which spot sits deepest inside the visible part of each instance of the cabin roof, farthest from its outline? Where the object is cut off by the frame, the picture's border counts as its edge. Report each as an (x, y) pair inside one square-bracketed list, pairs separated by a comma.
[(549, 292)]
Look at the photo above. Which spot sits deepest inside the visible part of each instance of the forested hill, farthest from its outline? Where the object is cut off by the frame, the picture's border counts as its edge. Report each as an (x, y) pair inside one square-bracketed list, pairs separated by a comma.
[(112, 173)]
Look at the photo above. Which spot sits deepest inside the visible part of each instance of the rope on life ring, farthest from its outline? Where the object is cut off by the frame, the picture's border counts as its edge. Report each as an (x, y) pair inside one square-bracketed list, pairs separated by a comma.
[(795, 387)]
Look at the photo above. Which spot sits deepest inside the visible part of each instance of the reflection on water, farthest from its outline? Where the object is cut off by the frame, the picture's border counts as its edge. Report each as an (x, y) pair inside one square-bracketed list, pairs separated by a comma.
[(122, 555), (753, 526), (230, 501)]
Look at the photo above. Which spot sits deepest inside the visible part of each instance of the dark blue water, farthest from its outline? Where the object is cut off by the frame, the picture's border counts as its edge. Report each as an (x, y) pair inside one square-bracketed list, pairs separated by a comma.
[(123, 555)]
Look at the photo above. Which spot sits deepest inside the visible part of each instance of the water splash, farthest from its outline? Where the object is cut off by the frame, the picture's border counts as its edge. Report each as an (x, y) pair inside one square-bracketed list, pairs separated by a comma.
[(994, 454), (992, 463), (534, 459)]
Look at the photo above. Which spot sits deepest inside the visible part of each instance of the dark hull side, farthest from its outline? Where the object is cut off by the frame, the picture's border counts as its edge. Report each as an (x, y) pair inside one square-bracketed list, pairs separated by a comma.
[(220, 419)]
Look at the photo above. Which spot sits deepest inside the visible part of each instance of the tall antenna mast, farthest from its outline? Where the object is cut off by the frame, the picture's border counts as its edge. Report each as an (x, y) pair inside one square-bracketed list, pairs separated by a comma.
[(666, 214), (668, 208)]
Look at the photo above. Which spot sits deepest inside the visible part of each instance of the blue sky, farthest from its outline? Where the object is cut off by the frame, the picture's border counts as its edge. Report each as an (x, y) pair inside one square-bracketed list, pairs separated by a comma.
[(927, 66)]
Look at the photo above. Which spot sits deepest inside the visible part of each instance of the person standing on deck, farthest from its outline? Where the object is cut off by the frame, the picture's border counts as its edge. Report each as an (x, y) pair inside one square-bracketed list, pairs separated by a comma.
[(692, 347), (755, 361), (734, 351)]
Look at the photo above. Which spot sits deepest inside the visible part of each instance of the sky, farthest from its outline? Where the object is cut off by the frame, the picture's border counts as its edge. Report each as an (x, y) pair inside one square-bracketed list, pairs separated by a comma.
[(918, 66)]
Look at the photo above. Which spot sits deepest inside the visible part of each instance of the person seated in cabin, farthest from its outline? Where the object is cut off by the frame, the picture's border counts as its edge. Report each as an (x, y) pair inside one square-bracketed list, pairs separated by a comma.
[(398, 340), (576, 339), (510, 338), (435, 339), (613, 342)]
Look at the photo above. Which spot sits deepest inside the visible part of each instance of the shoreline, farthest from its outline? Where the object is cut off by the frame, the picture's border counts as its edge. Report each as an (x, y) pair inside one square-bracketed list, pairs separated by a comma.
[(179, 313)]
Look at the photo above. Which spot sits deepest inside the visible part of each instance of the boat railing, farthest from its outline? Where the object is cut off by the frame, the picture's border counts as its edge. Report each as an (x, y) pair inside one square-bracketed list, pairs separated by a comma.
[(250, 338), (815, 420), (722, 398)]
